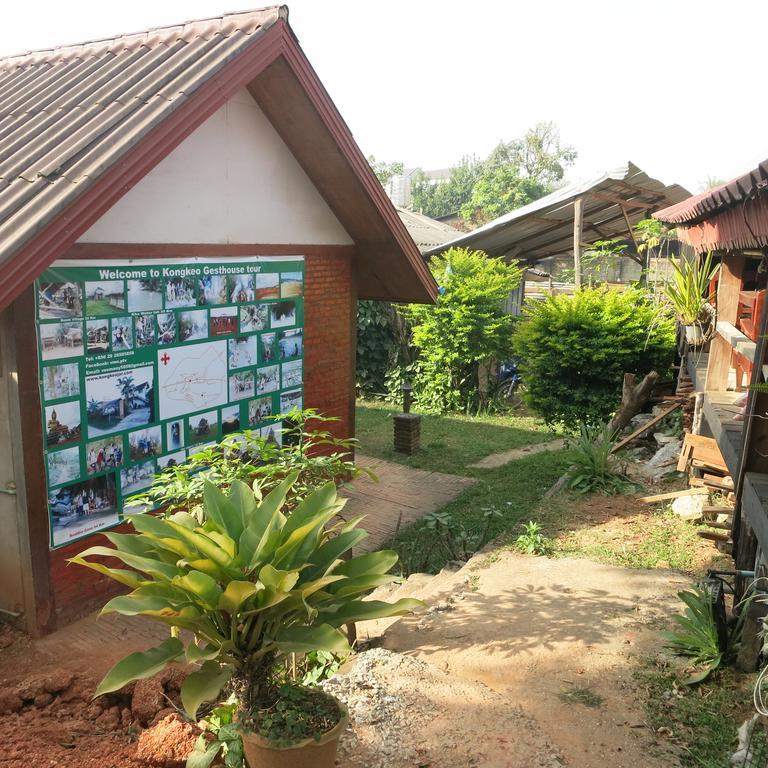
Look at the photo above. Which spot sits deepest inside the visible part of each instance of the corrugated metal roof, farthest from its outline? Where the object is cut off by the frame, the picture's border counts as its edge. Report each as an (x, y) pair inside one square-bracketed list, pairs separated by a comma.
[(706, 204), (545, 227), (68, 114), (426, 233)]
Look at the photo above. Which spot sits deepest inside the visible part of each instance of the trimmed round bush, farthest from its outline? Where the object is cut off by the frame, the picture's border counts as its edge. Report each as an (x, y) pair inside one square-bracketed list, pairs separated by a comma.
[(573, 351)]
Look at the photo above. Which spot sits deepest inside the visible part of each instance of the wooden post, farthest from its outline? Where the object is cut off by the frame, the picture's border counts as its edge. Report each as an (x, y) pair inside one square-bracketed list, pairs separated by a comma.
[(728, 288), (578, 222)]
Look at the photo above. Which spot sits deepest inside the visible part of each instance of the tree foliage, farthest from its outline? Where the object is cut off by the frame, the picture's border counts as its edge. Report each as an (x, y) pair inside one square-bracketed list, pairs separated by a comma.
[(514, 174), (440, 199), (466, 329), (384, 171), (574, 351)]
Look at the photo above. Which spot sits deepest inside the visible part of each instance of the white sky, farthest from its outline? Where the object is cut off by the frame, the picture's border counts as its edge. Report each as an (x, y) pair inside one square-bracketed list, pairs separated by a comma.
[(673, 85)]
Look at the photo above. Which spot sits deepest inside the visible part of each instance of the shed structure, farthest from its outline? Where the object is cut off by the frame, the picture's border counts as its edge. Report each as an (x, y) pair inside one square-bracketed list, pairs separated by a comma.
[(731, 221), (203, 182), (569, 219)]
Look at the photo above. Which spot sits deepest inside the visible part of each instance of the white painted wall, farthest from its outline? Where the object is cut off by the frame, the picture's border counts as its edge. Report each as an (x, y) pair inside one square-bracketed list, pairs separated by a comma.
[(233, 180)]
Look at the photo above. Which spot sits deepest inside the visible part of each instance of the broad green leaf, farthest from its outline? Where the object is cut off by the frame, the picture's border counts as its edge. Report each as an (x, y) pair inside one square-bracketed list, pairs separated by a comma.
[(227, 544), (310, 508), (195, 654), (146, 565), (203, 685), (368, 565), (325, 554), (222, 512), (129, 578), (136, 605), (201, 585), (236, 593), (140, 665), (204, 753), (276, 579), (322, 637), (359, 585), (265, 517), (364, 610)]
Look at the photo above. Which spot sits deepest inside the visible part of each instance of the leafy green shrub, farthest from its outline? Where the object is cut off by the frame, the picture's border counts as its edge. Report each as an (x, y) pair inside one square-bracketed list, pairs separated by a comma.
[(314, 453), (377, 346), (594, 469), (250, 585), (532, 541), (465, 332), (573, 351)]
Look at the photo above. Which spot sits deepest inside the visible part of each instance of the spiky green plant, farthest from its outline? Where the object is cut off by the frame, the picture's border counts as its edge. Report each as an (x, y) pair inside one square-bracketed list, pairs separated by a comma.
[(696, 635), (249, 585), (687, 292), (594, 468)]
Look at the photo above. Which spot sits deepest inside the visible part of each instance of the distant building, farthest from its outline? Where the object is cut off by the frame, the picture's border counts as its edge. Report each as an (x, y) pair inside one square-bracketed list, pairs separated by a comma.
[(398, 188)]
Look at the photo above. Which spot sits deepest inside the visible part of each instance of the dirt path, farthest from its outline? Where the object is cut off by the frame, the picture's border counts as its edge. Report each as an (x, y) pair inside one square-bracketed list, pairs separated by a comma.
[(556, 638), (500, 459)]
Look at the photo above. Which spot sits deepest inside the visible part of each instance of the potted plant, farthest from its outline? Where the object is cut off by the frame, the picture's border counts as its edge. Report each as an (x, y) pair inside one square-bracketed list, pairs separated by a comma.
[(249, 585), (687, 292)]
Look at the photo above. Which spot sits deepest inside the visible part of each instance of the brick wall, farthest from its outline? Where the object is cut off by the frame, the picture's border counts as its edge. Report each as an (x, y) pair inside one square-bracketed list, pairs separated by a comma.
[(330, 308), (329, 362)]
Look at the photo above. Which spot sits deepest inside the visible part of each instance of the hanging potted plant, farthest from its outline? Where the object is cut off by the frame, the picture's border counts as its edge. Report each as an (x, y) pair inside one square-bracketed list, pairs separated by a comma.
[(249, 585), (687, 293)]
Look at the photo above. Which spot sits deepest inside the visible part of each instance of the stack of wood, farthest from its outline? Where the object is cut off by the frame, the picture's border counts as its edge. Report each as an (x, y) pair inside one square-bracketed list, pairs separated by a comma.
[(701, 458)]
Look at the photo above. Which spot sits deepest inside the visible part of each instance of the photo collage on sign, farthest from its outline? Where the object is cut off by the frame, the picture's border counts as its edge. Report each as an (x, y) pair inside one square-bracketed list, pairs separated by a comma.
[(138, 372)]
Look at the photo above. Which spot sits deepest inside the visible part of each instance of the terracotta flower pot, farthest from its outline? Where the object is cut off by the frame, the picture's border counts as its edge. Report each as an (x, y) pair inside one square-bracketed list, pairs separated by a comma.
[(310, 753)]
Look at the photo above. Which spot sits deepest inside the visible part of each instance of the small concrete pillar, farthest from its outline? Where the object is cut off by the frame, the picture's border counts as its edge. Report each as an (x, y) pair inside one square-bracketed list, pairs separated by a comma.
[(407, 425)]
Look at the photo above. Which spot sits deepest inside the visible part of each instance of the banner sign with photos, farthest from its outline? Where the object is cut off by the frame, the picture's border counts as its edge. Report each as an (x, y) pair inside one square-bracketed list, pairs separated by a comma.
[(144, 363)]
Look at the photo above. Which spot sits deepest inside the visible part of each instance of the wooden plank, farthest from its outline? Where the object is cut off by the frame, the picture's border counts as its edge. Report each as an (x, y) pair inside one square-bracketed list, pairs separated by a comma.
[(714, 535), (713, 509), (648, 424), (728, 288), (685, 456), (673, 495), (715, 524)]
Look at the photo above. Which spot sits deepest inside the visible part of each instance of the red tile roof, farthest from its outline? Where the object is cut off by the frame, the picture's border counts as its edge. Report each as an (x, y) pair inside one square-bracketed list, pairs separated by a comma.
[(81, 124)]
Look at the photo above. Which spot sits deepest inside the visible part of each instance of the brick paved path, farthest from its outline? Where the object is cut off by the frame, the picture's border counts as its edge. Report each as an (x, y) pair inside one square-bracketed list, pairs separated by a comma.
[(401, 493)]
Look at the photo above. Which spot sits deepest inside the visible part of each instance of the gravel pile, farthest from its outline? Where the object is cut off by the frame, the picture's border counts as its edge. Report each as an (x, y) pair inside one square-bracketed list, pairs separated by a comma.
[(404, 713)]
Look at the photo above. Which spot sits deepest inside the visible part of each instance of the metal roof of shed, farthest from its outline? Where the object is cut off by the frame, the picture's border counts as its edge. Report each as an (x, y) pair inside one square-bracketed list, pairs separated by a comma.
[(426, 232), (545, 227), (81, 124)]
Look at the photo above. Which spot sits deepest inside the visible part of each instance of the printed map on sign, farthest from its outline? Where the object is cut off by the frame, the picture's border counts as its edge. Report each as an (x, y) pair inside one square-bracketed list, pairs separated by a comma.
[(192, 378)]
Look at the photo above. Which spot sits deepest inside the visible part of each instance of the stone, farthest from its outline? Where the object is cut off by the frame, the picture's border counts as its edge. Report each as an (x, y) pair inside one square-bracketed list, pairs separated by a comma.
[(666, 455), (110, 719), (43, 700), (58, 681), (663, 439), (167, 743), (689, 507), (10, 702), (30, 688), (148, 699)]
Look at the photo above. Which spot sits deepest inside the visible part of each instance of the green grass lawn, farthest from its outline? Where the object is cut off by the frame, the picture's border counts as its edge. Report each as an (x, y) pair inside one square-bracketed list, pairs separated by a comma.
[(448, 443), (501, 498)]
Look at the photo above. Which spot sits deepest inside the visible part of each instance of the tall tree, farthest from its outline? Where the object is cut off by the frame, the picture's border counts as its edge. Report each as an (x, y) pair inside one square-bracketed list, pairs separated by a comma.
[(384, 171), (445, 197)]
